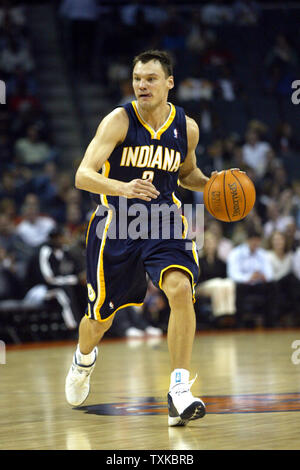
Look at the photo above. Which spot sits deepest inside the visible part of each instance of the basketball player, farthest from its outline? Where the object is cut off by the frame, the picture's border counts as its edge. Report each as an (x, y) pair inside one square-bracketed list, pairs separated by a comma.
[(143, 148)]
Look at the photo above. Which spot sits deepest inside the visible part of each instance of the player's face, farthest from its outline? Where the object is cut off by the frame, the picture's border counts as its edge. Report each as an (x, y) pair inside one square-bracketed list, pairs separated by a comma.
[(150, 84)]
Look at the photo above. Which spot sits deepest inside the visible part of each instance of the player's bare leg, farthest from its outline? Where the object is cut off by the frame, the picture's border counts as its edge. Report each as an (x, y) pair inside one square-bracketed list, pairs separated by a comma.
[(182, 321), (91, 333), (181, 331), (77, 385)]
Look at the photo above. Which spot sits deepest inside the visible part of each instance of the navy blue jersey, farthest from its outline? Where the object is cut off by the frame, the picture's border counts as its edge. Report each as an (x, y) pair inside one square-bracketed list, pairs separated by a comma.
[(145, 152)]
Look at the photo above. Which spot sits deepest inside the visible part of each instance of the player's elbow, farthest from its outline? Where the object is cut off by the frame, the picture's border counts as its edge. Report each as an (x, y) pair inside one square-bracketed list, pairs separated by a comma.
[(79, 179)]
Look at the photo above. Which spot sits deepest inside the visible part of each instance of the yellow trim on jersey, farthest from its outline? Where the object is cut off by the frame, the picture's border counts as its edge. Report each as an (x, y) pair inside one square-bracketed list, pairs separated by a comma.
[(115, 311), (155, 134), (89, 226), (149, 128), (176, 200), (184, 268), (195, 253), (168, 122), (184, 219), (100, 278), (105, 172)]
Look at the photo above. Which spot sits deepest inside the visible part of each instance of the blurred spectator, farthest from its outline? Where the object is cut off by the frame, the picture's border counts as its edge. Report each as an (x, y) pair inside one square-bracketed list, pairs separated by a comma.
[(6, 151), (249, 267), (227, 85), (126, 91), (132, 323), (22, 99), (217, 56), (246, 12), (276, 220), (10, 286), (34, 227), (195, 89), (213, 281), (156, 307), (33, 151), (286, 287), (74, 218), (51, 277), (15, 57), (216, 13), (225, 245), (255, 152), (296, 263), (284, 138), (198, 36), (83, 19), (282, 52), (11, 187)]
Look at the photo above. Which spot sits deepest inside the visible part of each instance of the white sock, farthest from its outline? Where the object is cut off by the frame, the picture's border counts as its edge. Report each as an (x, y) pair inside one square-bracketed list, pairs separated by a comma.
[(85, 359), (179, 376)]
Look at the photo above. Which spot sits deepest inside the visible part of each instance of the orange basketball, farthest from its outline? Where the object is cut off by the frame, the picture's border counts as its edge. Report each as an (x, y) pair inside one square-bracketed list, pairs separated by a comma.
[(229, 195)]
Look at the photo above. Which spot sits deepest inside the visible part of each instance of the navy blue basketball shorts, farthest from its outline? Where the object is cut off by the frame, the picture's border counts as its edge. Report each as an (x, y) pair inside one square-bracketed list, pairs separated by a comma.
[(117, 268)]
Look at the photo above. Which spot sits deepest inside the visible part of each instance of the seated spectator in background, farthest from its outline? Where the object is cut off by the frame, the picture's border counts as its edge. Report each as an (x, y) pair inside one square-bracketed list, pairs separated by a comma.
[(156, 307), (22, 99), (131, 323), (6, 153), (10, 285), (51, 277), (34, 227), (15, 56), (282, 53), (74, 218), (213, 281), (224, 245), (296, 263), (255, 152), (281, 259), (33, 151), (276, 220), (195, 89), (249, 267), (13, 186), (126, 92)]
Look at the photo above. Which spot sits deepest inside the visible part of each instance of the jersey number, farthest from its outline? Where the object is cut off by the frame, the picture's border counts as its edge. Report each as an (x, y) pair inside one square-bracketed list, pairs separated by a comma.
[(148, 174)]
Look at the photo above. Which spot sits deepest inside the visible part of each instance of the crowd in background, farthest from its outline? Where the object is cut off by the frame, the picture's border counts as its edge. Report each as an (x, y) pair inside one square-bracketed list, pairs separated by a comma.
[(258, 257)]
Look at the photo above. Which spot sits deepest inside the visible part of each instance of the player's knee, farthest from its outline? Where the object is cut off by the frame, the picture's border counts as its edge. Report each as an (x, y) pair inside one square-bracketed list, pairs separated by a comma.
[(177, 286), (101, 326)]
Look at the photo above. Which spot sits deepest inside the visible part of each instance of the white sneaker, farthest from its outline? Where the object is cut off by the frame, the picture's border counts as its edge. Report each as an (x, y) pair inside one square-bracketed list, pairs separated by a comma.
[(133, 332), (153, 331), (77, 386), (183, 406)]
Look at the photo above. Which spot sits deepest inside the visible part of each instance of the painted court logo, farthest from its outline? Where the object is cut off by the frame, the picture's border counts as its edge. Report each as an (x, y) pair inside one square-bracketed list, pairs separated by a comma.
[(216, 404)]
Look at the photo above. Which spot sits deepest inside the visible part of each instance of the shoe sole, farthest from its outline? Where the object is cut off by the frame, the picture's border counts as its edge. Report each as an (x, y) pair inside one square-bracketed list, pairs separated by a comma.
[(195, 411)]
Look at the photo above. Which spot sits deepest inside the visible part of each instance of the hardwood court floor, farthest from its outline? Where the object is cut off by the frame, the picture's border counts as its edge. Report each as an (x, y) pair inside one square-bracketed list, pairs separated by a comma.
[(247, 379)]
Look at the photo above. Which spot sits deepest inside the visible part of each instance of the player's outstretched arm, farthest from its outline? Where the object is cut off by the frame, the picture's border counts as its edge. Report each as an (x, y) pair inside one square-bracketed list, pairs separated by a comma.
[(190, 176), (110, 133)]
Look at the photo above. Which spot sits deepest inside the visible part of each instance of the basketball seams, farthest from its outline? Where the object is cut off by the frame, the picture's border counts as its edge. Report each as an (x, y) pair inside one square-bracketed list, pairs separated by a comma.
[(224, 189), (245, 202)]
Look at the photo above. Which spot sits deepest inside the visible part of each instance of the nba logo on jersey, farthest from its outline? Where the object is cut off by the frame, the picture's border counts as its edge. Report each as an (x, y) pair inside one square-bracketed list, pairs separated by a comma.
[(178, 377), (111, 305), (175, 133)]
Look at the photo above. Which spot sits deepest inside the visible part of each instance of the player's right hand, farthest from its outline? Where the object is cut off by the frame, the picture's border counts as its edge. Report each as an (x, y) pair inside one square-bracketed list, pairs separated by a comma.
[(141, 189)]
